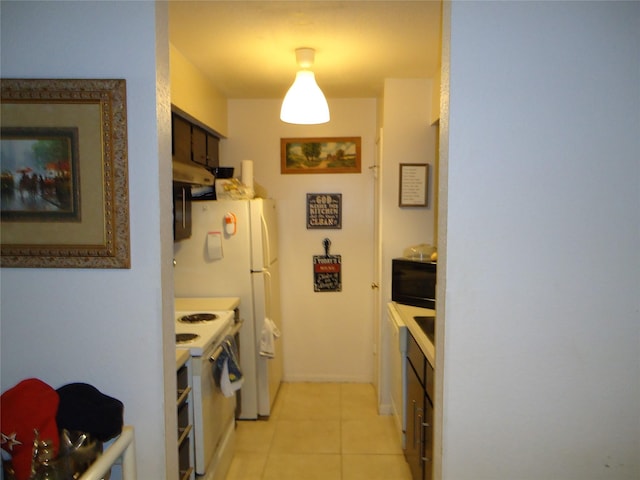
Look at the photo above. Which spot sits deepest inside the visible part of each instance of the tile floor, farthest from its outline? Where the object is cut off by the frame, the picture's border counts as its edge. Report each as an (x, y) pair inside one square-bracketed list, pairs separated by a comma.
[(320, 431)]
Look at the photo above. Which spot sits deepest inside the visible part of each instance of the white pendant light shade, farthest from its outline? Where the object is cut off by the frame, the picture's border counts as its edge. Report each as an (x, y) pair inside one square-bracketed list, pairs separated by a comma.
[(304, 103)]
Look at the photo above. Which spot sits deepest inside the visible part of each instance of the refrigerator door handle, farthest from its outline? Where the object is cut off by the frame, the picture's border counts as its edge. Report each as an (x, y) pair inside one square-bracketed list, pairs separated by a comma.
[(267, 293), (266, 249)]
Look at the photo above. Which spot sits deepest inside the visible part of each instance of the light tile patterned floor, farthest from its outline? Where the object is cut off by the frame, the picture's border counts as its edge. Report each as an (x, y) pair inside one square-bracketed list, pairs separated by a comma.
[(320, 431)]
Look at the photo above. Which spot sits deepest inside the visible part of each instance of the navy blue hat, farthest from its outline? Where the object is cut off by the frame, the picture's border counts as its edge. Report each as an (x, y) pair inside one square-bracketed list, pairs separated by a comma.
[(84, 408)]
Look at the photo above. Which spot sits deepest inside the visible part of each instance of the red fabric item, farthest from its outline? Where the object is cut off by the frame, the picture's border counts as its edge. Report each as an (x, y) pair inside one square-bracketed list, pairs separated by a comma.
[(31, 404)]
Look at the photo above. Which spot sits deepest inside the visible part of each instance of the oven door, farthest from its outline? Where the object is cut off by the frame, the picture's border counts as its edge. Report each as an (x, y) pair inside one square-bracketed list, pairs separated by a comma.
[(214, 412)]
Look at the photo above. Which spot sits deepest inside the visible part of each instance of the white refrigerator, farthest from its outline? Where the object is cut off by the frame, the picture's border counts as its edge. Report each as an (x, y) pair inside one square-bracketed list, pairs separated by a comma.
[(233, 252)]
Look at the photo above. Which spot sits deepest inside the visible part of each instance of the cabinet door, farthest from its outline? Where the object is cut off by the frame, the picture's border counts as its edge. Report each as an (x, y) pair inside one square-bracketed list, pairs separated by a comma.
[(180, 139), (429, 381), (415, 355), (213, 156), (427, 436), (199, 145), (415, 414)]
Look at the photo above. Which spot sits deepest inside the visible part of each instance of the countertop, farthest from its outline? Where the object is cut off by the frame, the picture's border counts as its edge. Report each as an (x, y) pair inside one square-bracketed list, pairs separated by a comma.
[(406, 314), (182, 355)]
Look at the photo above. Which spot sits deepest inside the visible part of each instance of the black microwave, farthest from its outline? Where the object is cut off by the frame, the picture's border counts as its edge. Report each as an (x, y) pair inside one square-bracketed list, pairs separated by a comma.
[(413, 282)]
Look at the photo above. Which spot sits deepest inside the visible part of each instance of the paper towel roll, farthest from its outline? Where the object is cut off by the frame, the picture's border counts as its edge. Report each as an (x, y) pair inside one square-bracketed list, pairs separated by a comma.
[(247, 173)]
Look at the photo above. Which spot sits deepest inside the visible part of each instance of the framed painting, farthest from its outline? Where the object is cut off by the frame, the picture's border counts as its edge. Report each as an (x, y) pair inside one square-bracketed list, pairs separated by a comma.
[(64, 174), (320, 155)]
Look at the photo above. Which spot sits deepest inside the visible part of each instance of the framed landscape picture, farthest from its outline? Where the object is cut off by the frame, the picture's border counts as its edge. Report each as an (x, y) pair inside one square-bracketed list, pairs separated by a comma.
[(64, 174), (320, 155)]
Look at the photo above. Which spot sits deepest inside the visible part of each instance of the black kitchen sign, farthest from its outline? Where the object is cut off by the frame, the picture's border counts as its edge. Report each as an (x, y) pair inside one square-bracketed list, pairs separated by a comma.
[(324, 210), (327, 273)]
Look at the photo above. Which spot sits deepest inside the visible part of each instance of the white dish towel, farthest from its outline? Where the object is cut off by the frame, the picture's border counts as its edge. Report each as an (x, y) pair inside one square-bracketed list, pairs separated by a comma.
[(270, 333), (226, 370)]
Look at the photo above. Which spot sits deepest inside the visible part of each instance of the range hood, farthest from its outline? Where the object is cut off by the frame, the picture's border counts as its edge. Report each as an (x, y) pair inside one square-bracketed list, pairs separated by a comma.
[(192, 174)]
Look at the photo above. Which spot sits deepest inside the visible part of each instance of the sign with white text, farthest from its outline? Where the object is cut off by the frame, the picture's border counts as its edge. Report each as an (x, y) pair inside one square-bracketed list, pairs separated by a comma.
[(324, 210), (327, 273)]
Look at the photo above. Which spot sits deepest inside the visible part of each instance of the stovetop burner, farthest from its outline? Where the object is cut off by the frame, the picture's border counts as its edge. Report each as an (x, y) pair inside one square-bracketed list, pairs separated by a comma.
[(186, 337), (198, 318)]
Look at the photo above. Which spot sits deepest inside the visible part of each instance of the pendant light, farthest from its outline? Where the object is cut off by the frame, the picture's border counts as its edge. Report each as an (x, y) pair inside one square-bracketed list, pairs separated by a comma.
[(304, 103)]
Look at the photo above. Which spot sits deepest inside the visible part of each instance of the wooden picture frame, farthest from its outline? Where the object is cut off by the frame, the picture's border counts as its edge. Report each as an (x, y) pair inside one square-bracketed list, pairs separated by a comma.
[(414, 179), (64, 167), (320, 155)]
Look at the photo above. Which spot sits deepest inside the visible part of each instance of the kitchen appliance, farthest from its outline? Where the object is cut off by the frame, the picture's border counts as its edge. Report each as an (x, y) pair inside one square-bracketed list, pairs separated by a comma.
[(398, 368), (181, 211), (202, 333), (413, 282), (191, 174), (233, 252), (185, 176), (208, 192)]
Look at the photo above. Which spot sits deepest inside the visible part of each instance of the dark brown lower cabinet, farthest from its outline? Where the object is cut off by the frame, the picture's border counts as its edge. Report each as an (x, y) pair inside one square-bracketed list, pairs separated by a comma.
[(415, 409), (427, 432), (419, 409)]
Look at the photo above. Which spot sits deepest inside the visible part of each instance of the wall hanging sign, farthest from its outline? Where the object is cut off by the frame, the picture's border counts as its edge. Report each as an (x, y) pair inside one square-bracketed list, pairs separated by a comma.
[(414, 178), (63, 152), (324, 210), (320, 155), (327, 271)]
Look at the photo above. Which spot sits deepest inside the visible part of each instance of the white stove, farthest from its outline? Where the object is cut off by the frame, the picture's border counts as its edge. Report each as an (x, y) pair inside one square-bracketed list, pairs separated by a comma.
[(208, 330), (209, 322)]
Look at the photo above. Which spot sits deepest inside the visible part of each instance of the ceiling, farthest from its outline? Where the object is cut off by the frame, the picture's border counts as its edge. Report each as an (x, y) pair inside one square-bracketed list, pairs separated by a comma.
[(247, 48)]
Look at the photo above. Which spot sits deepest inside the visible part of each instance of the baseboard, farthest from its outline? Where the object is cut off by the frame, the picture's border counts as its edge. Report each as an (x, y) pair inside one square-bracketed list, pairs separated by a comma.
[(326, 379)]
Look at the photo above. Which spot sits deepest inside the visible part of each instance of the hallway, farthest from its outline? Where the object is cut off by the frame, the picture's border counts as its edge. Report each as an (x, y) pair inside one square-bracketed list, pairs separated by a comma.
[(320, 431)]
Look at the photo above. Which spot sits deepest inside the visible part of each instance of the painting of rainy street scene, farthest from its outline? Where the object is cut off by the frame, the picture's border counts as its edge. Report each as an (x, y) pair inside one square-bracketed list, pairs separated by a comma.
[(39, 173), (320, 155)]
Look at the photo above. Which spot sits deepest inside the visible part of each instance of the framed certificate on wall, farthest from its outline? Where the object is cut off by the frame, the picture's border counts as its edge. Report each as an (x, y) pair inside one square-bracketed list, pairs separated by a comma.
[(414, 178)]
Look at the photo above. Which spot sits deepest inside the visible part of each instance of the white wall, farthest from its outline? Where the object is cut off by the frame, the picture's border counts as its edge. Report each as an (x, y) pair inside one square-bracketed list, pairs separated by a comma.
[(109, 328), (407, 137), (542, 336), (194, 94), (326, 336)]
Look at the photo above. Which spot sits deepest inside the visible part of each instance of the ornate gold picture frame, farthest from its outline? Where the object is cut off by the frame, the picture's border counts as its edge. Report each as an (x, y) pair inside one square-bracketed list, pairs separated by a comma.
[(64, 172)]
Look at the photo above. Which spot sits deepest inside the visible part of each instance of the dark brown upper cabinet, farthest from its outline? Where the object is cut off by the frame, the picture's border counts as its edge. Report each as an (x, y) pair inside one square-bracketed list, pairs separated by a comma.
[(180, 139), (192, 143), (213, 149), (199, 145)]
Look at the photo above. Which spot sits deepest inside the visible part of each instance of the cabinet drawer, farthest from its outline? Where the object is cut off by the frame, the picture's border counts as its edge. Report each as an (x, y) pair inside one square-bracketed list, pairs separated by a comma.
[(416, 357), (184, 459), (182, 379), (183, 418)]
